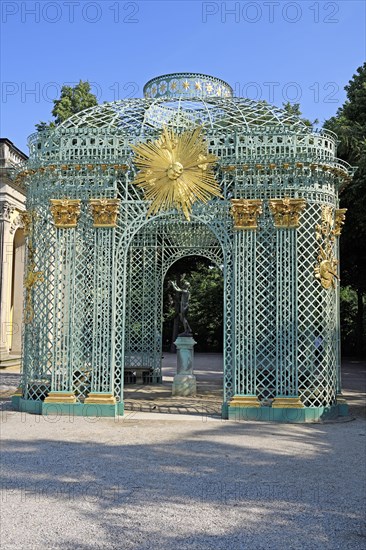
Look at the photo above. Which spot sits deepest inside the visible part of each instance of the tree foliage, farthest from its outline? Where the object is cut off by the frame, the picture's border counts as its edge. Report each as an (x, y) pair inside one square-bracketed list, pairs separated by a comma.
[(72, 100), (350, 126), (293, 109), (349, 336)]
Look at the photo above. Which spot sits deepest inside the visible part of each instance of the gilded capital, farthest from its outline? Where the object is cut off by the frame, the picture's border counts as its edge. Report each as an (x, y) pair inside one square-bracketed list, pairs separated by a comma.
[(105, 212), (245, 213), (65, 212), (340, 216), (286, 212)]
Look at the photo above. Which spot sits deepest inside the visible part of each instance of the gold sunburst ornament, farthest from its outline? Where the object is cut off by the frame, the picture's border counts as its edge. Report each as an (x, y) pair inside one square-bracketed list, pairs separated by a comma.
[(175, 171)]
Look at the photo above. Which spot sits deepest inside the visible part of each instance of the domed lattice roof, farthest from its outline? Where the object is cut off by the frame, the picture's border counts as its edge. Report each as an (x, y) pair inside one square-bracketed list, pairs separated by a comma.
[(183, 100)]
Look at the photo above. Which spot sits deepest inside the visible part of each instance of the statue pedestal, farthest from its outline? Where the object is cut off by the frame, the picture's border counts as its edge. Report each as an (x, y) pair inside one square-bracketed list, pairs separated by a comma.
[(184, 383)]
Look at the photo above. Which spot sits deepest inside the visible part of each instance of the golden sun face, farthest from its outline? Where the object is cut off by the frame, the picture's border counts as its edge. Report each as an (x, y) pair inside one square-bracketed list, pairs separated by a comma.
[(175, 171)]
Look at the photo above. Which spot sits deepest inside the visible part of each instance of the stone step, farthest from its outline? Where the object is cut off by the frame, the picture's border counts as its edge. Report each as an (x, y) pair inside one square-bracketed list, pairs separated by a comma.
[(10, 362), (202, 408)]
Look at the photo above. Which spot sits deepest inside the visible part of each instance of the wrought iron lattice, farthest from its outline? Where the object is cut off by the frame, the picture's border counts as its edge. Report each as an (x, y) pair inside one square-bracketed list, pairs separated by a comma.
[(98, 311)]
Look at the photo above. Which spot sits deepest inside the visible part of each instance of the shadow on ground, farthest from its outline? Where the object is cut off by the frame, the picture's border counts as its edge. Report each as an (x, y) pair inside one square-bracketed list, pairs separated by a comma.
[(135, 484)]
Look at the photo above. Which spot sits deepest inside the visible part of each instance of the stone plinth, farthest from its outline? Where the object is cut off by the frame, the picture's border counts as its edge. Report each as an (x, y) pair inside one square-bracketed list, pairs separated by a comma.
[(184, 383)]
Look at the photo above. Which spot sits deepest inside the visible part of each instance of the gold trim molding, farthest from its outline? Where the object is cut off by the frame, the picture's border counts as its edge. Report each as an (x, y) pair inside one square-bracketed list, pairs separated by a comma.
[(287, 403), (245, 213), (245, 401), (60, 397), (65, 212), (100, 399), (286, 212), (104, 212)]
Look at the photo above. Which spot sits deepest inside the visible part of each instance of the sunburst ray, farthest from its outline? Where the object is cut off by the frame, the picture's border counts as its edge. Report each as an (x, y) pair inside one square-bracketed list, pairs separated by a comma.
[(175, 171)]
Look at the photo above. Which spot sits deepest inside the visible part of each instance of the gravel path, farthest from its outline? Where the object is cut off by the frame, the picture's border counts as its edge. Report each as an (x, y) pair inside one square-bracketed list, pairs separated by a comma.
[(162, 482)]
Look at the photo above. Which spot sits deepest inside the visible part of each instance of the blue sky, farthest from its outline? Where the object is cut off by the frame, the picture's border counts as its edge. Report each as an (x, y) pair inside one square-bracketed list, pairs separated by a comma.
[(277, 51)]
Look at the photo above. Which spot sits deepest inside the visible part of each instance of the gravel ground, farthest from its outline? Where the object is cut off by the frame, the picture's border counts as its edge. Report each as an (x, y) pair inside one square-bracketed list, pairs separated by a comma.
[(9, 380), (167, 481), (164, 481)]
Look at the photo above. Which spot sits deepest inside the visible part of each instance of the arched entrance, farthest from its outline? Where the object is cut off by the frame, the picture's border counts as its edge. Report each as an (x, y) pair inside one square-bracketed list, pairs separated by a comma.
[(205, 316), (152, 250)]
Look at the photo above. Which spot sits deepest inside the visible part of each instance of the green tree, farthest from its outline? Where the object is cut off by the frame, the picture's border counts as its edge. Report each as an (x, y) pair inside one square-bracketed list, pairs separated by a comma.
[(350, 126), (293, 109), (349, 335), (206, 310), (72, 100)]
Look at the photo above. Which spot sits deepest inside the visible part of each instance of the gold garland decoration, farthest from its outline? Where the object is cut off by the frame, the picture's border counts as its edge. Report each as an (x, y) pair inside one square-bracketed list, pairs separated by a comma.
[(325, 269), (32, 277), (175, 171)]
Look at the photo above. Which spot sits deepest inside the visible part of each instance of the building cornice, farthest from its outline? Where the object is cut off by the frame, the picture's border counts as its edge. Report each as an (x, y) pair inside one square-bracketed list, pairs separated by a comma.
[(14, 148)]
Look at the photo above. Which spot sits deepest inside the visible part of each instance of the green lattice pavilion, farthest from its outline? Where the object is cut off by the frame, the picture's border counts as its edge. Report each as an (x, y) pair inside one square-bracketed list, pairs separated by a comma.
[(97, 254)]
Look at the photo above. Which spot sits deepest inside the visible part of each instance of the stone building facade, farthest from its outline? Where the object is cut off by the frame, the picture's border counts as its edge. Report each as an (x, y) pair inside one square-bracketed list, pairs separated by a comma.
[(12, 204)]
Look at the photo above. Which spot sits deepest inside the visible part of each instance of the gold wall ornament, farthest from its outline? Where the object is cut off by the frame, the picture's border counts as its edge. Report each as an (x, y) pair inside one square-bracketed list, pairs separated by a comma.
[(325, 229), (27, 217), (175, 171), (340, 216), (32, 277), (286, 212), (325, 269), (65, 212), (104, 212), (245, 213)]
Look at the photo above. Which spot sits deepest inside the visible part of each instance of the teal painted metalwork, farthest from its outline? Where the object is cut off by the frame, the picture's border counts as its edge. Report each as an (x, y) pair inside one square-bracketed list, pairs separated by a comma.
[(99, 309)]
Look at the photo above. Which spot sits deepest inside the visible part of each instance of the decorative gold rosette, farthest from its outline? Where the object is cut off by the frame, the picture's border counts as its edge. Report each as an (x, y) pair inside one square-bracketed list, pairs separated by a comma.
[(175, 171)]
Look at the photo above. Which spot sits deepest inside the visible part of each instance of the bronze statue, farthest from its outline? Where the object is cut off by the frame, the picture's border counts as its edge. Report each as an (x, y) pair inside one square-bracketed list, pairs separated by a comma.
[(183, 306)]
